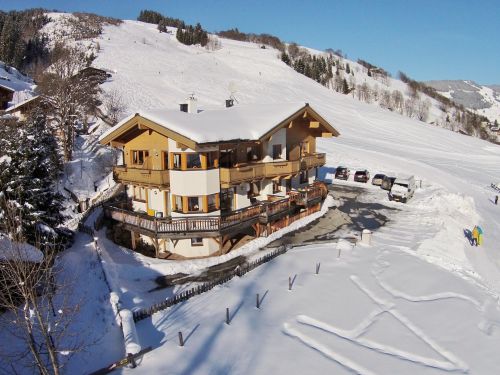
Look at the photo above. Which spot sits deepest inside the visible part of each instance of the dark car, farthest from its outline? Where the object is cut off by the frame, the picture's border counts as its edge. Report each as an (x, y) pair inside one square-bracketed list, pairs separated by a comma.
[(387, 182), (362, 176), (377, 179), (342, 173)]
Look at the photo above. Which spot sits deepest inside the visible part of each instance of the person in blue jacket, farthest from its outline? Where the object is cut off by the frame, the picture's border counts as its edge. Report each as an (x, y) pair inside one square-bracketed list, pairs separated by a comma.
[(480, 235)]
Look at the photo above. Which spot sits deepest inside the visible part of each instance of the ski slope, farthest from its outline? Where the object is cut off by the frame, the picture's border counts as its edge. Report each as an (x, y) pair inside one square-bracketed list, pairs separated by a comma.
[(420, 300)]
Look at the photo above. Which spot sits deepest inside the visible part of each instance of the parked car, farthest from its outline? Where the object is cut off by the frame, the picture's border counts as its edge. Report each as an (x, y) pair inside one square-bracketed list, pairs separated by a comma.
[(362, 176), (377, 179), (342, 173), (387, 182), (402, 189)]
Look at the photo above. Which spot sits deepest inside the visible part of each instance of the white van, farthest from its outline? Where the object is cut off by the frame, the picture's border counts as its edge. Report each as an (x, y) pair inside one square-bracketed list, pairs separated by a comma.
[(402, 189)]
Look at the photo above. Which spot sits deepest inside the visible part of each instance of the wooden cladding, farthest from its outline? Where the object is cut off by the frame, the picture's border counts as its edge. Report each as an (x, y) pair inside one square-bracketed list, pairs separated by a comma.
[(195, 204)]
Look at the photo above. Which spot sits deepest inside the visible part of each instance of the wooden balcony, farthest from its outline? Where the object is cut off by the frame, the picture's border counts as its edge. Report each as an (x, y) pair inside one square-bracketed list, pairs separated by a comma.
[(184, 227), (214, 226), (139, 176), (258, 171), (312, 161)]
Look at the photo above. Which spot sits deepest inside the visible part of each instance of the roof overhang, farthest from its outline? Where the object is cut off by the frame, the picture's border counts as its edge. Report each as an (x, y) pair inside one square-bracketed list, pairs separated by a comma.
[(143, 123), (316, 122)]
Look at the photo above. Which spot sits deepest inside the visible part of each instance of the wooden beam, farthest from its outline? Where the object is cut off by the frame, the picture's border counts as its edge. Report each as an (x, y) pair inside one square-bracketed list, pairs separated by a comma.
[(141, 126), (116, 144), (326, 135), (290, 125), (305, 114), (314, 124)]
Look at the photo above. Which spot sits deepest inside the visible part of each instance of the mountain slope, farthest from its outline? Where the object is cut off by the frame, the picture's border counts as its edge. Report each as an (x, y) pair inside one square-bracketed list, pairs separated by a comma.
[(484, 100)]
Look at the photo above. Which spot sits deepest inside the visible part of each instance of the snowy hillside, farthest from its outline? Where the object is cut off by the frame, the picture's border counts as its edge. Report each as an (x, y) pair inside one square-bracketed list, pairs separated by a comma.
[(420, 300), (154, 70), (484, 100)]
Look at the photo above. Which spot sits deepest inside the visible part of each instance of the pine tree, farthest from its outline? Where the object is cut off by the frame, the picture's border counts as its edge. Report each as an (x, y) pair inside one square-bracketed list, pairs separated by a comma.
[(285, 58), (345, 87), (347, 68), (28, 170)]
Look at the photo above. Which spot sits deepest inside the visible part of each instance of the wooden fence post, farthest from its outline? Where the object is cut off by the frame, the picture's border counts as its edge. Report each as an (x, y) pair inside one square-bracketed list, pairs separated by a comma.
[(227, 316), (289, 283), (181, 339), (318, 265), (258, 301)]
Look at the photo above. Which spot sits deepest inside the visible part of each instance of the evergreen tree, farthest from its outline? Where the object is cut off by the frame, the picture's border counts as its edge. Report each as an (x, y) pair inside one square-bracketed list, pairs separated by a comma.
[(347, 68), (285, 58), (345, 87), (29, 167)]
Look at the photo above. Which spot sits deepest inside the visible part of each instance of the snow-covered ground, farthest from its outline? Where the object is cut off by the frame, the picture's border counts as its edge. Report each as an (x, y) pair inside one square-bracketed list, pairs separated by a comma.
[(420, 300)]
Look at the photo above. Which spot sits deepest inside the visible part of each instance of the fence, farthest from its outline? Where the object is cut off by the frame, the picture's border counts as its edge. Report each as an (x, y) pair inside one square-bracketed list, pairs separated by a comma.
[(205, 287)]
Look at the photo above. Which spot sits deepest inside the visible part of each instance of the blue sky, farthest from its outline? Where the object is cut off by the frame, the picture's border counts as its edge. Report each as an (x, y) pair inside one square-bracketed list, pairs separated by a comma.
[(439, 39)]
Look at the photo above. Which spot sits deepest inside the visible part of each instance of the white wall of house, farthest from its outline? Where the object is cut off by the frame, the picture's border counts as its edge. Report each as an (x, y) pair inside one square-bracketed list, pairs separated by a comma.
[(184, 247), (278, 138), (241, 195), (266, 188), (157, 201), (312, 175), (192, 183)]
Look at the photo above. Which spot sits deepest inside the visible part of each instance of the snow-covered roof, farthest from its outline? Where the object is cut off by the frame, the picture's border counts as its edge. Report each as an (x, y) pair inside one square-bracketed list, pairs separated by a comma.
[(21, 104), (221, 124), (7, 88)]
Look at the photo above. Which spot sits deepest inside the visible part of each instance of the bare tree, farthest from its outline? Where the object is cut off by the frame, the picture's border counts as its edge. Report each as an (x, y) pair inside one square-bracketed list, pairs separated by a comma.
[(28, 282), (385, 99), (213, 43), (68, 94), (410, 106), (397, 101), (423, 109), (352, 84), (114, 105), (364, 93)]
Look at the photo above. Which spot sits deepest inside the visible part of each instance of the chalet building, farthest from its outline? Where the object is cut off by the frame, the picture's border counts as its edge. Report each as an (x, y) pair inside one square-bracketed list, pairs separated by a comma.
[(22, 109), (196, 180), (6, 96)]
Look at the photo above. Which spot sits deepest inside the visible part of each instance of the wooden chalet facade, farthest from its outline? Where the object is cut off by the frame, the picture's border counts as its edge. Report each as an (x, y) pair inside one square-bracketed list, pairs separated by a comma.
[(195, 181)]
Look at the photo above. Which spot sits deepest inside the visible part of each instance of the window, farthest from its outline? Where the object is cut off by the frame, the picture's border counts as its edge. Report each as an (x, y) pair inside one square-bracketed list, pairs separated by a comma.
[(252, 154), (212, 203), (139, 156), (197, 241), (177, 164), (212, 159), (193, 161), (177, 203), (139, 193), (276, 151), (193, 204), (303, 177)]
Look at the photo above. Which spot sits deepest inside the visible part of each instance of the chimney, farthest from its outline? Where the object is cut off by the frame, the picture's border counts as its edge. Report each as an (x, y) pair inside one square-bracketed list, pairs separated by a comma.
[(229, 103), (190, 105)]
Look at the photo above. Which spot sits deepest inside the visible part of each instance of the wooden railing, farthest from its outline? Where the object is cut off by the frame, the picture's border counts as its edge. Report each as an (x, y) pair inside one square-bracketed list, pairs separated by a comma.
[(150, 177), (241, 215), (260, 170), (276, 207), (194, 224)]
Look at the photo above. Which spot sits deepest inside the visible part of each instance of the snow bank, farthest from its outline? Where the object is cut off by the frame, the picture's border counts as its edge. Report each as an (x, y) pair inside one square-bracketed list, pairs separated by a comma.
[(10, 250), (129, 332)]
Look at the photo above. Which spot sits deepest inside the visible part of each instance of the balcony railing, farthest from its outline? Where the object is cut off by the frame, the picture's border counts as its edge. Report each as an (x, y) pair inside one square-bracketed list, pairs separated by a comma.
[(149, 177), (260, 170), (213, 224)]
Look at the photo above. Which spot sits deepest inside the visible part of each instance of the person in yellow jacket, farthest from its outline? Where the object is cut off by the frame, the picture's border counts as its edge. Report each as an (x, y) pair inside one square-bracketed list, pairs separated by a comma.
[(475, 236)]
